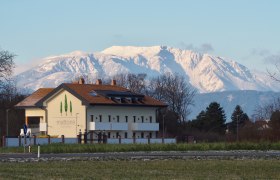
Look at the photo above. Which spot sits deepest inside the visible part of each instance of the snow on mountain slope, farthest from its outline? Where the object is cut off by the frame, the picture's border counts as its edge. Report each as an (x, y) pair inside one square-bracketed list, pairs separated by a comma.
[(205, 72)]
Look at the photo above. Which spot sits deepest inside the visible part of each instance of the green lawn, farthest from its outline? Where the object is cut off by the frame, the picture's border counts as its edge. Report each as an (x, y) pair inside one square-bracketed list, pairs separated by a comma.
[(140, 169)]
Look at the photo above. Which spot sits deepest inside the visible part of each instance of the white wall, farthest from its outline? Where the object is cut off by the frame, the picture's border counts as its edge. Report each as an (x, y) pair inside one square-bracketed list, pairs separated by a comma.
[(65, 123), (122, 111)]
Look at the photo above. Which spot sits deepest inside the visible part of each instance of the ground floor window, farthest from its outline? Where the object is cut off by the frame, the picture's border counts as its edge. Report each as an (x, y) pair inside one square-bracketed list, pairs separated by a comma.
[(125, 135), (142, 135)]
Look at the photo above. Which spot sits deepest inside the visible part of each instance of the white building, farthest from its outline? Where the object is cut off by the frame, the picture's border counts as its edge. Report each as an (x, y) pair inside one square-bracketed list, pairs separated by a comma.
[(74, 107)]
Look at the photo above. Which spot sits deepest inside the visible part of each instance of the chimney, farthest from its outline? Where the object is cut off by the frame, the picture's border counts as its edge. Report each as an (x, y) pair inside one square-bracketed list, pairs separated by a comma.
[(114, 82), (99, 82), (81, 81)]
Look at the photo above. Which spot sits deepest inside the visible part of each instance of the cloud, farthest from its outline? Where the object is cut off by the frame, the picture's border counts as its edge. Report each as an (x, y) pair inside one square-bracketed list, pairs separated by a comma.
[(203, 48), (267, 56)]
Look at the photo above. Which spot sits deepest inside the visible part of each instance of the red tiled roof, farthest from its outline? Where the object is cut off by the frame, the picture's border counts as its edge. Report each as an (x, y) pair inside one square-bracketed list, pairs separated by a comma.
[(31, 100), (82, 91)]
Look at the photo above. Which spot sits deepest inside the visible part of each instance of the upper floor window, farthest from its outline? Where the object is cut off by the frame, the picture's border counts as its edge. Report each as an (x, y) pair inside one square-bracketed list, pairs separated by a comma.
[(118, 118), (142, 118), (134, 118), (100, 118), (109, 118), (91, 118), (126, 118), (151, 119)]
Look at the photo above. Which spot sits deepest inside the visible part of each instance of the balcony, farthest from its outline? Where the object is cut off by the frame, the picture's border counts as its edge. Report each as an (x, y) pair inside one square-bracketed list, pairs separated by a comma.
[(144, 126), (99, 126)]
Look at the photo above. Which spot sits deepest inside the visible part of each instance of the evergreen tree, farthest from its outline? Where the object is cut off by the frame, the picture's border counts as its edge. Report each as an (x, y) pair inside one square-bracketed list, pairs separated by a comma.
[(239, 118), (60, 107), (199, 122), (65, 104), (71, 107), (211, 120), (215, 118)]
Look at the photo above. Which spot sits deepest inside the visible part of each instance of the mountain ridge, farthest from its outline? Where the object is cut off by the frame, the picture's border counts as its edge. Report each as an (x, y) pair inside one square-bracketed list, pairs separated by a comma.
[(205, 72)]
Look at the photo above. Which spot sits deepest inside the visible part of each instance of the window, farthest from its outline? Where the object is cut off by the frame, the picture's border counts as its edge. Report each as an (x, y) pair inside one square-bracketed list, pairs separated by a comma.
[(117, 134), (118, 118), (129, 99), (118, 99), (125, 135), (134, 118), (142, 118), (150, 135), (91, 118), (126, 118), (151, 119), (109, 118), (142, 135), (109, 135), (100, 118), (93, 93), (134, 135)]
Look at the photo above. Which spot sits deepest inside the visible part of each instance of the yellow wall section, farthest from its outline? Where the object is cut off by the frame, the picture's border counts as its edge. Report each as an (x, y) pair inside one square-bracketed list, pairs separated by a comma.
[(34, 112), (65, 123)]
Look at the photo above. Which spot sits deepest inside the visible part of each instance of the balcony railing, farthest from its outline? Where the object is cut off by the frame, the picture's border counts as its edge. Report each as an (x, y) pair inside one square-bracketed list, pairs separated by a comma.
[(144, 126), (108, 126)]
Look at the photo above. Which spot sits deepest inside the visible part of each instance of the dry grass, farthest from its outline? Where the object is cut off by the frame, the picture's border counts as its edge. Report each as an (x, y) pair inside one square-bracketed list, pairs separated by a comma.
[(156, 169)]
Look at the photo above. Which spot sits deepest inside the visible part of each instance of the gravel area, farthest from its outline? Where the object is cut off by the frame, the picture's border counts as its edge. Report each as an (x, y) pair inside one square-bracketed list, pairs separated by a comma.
[(145, 156)]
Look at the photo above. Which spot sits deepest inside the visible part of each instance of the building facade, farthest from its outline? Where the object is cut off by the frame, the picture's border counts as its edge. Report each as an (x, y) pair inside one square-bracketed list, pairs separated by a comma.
[(77, 107)]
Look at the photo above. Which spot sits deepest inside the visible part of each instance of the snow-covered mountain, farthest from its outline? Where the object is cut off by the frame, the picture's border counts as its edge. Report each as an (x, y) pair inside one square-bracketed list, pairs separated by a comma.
[(205, 72)]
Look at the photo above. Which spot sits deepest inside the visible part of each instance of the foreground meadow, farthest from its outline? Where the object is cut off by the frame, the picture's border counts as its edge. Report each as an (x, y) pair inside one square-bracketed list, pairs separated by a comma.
[(141, 169)]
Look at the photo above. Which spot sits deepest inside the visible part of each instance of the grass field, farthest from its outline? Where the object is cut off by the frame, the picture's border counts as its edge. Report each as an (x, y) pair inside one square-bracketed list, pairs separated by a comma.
[(91, 148), (156, 169)]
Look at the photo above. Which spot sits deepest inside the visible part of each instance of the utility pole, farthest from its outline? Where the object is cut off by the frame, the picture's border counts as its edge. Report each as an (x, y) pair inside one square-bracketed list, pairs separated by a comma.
[(7, 122), (237, 138), (163, 134), (76, 123)]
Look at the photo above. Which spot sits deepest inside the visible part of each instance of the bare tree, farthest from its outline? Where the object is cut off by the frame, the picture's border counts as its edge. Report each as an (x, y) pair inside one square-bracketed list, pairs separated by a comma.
[(275, 75), (135, 82), (6, 67), (175, 91), (264, 112)]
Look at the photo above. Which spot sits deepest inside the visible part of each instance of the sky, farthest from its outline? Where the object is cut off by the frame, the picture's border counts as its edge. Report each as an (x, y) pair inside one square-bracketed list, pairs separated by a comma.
[(246, 31)]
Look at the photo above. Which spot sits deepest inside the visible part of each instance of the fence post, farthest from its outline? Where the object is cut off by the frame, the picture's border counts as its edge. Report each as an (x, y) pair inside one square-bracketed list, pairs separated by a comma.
[(19, 141), (49, 139), (120, 139), (85, 137), (4, 141), (79, 138), (34, 140), (91, 137), (134, 140), (62, 139)]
